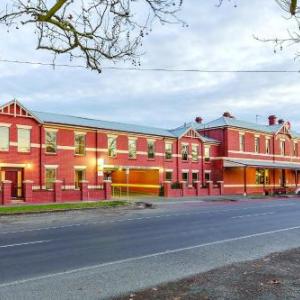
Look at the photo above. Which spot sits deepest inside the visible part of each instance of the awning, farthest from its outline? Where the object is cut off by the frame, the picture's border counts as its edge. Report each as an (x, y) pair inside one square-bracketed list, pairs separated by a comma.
[(234, 163)]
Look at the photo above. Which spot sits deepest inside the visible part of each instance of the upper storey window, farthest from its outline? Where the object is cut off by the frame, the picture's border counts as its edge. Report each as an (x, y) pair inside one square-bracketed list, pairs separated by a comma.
[(256, 144), (4, 138), (51, 141), (185, 152), (207, 153), (295, 149), (132, 148), (268, 146), (24, 139), (195, 152), (112, 146), (168, 150), (79, 140), (151, 149), (242, 142), (282, 147)]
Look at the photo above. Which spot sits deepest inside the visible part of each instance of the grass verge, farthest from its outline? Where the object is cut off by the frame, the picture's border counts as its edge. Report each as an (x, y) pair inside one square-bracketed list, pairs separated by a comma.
[(23, 209)]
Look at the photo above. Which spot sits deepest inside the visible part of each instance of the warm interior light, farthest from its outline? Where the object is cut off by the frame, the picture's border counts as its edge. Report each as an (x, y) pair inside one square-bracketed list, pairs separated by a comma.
[(28, 165), (100, 164)]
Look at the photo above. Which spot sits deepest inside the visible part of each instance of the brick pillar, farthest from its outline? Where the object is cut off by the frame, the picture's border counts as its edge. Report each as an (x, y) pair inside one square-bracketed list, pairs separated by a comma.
[(221, 187), (6, 192), (27, 189), (210, 186), (197, 185), (107, 189), (184, 188), (167, 189), (84, 188), (57, 185)]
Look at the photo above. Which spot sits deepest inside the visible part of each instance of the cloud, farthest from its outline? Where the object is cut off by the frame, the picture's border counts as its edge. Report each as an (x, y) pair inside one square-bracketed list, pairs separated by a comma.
[(217, 38)]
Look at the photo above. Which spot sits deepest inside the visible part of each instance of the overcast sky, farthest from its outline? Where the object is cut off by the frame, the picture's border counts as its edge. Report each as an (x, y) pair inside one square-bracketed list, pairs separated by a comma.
[(217, 38)]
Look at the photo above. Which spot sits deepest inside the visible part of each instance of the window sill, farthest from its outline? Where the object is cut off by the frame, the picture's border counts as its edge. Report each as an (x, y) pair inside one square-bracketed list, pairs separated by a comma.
[(50, 153), (132, 158), (168, 159), (151, 158), (184, 161), (80, 155)]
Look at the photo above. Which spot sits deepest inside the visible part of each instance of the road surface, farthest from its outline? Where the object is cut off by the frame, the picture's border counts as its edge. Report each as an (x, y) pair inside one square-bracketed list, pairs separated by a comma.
[(94, 256)]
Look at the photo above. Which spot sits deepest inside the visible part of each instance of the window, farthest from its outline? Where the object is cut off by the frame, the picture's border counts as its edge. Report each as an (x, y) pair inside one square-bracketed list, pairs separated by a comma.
[(256, 144), (23, 140), (207, 153), (132, 148), (50, 178), (295, 149), (151, 149), (79, 176), (242, 142), (262, 176), (195, 176), (4, 138), (185, 152), (185, 176), (80, 143), (268, 146), (207, 176), (169, 176), (282, 148), (168, 150), (51, 141), (112, 146), (194, 152)]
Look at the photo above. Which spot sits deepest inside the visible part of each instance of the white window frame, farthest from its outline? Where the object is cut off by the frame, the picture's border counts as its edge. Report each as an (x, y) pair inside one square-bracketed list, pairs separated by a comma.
[(168, 152), (242, 144), (28, 148), (6, 143), (257, 144), (132, 152), (195, 154), (82, 134), (110, 151), (54, 131)]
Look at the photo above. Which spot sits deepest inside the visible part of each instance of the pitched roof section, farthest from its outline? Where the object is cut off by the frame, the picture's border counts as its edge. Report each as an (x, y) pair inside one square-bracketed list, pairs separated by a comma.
[(99, 124), (181, 131), (232, 122)]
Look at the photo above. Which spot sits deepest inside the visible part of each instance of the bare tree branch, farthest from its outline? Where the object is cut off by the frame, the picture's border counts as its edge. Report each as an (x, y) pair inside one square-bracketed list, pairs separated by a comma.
[(94, 30)]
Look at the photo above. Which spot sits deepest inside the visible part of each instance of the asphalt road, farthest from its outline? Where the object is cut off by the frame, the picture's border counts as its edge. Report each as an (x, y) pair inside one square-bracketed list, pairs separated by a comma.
[(98, 257)]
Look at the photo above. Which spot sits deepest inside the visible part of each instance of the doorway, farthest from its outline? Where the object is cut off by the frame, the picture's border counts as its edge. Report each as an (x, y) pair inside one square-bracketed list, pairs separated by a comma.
[(16, 178)]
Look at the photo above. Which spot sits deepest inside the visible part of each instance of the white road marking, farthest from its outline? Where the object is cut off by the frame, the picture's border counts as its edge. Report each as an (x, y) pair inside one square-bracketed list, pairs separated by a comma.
[(133, 259), (253, 215), (146, 218), (24, 244)]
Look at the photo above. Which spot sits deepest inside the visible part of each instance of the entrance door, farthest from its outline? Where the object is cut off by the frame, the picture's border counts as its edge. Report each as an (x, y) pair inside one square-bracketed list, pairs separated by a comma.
[(15, 176)]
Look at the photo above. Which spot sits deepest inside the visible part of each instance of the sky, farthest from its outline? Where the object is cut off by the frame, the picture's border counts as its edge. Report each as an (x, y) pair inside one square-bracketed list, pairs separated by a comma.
[(216, 38)]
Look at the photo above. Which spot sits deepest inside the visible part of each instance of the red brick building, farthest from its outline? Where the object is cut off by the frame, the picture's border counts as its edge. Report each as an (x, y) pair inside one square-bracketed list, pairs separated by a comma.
[(47, 157)]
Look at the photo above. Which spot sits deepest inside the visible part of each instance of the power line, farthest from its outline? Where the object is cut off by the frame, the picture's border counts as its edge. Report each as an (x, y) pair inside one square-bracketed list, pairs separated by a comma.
[(54, 65)]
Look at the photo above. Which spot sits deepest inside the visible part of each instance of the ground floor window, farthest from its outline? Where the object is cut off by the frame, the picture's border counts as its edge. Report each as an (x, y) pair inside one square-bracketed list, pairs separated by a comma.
[(262, 176), (50, 178), (185, 176), (207, 176), (169, 176), (79, 176), (195, 176)]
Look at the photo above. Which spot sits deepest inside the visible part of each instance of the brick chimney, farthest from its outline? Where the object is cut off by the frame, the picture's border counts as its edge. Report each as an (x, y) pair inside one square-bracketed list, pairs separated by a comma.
[(227, 114), (199, 120), (280, 121), (272, 120)]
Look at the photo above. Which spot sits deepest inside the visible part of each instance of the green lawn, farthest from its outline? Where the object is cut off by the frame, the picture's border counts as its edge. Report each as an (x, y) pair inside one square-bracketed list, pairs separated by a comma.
[(20, 209)]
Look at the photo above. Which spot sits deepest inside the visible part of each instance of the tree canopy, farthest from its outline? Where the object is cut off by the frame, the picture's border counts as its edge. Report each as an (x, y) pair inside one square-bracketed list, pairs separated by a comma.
[(94, 30)]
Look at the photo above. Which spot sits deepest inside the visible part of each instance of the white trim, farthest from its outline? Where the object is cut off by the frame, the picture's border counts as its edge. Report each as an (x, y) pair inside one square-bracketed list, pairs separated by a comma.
[(51, 166), (207, 171), (80, 167), (51, 129), (114, 136), (168, 170), (24, 126), (80, 132), (12, 165), (185, 170), (5, 125), (195, 171)]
